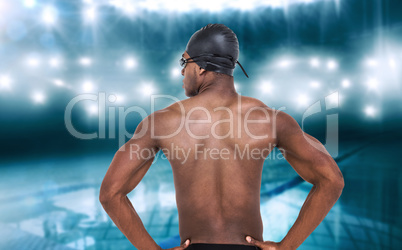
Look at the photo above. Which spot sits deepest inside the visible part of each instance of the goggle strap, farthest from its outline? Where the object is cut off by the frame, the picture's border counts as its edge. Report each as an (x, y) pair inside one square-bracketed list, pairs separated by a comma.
[(242, 68), (217, 56)]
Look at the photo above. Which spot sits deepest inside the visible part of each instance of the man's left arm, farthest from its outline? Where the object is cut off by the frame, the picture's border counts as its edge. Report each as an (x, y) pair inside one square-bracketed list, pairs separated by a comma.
[(125, 172)]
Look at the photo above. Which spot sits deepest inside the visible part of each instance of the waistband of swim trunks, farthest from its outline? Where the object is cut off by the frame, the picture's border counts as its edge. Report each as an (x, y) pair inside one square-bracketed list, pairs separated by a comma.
[(209, 246)]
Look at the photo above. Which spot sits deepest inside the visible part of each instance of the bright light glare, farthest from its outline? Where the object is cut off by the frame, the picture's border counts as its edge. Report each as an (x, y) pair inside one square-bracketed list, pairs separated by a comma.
[(92, 109), (284, 63), (117, 3), (332, 65), (333, 100), (29, 3), (205, 5), (147, 89), (371, 62), (129, 9), (58, 82), (392, 63), (372, 84), (54, 62), (314, 62), (302, 100), (119, 98), (5, 82), (266, 87), (116, 98), (239, 5), (33, 62), (176, 72), (130, 63), (315, 84), (346, 83), (213, 5), (85, 61), (370, 111), (38, 97), (49, 15), (87, 86), (90, 14)]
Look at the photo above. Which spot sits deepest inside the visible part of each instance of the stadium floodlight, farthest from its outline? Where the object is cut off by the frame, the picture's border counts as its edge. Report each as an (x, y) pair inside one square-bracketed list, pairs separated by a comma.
[(54, 62), (33, 62), (92, 109), (49, 15), (29, 3), (284, 63), (88, 86), (332, 64), (58, 83), (176, 72), (333, 100), (314, 62), (119, 98), (370, 111), (130, 63), (391, 63), (116, 98), (315, 84), (302, 99), (90, 14), (85, 61), (266, 87), (371, 62), (38, 97), (345, 83), (129, 9), (147, 89), (205, 5), (372, 84), (5, 82)]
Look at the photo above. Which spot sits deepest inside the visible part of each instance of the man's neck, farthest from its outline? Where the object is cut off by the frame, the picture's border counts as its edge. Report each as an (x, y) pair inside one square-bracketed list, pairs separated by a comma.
[(223, 88)]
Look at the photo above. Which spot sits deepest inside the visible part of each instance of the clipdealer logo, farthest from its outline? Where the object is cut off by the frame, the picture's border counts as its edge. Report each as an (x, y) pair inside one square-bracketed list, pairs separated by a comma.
[(328, 107)]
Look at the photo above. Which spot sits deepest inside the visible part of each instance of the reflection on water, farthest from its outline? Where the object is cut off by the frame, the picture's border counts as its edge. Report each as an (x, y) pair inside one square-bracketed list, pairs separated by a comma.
[(54, 205)]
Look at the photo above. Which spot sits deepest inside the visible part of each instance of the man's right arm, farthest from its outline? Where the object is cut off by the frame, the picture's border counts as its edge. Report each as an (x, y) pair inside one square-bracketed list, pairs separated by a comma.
[(313, 163)]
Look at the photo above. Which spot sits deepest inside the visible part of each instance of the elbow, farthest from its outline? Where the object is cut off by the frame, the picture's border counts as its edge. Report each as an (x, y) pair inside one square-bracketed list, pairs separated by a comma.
[(335, 186), (109, 193), (341, 183), (333, 180), (332, 186), (338, 185), (337, 181), (105, 196)]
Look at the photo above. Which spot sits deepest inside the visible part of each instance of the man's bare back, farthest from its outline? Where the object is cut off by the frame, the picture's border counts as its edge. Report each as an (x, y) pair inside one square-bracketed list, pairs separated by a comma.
[(216, 176), (216, 142)]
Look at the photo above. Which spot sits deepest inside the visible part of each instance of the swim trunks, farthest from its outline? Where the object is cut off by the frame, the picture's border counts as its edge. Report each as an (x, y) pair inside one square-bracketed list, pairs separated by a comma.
[(208, 246)]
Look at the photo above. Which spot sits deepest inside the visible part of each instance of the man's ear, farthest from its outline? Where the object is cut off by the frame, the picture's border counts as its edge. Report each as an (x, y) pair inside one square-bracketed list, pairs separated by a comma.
[(202, 71)]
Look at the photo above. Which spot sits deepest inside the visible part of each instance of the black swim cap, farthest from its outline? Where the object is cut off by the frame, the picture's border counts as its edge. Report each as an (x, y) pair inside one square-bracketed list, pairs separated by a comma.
[(216, 48)]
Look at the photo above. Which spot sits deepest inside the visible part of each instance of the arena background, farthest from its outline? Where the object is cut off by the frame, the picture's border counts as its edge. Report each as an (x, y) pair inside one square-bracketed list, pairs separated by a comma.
[(334, 65)]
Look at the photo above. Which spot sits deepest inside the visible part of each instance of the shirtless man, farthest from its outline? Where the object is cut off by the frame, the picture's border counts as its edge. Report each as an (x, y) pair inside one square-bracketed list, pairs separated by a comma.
[(223, 139)]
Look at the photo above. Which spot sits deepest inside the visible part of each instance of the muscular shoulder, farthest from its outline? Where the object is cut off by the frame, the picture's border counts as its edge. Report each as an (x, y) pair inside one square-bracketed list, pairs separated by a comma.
[(286, 126), (256, 107), (252, 101), (167, 119)]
